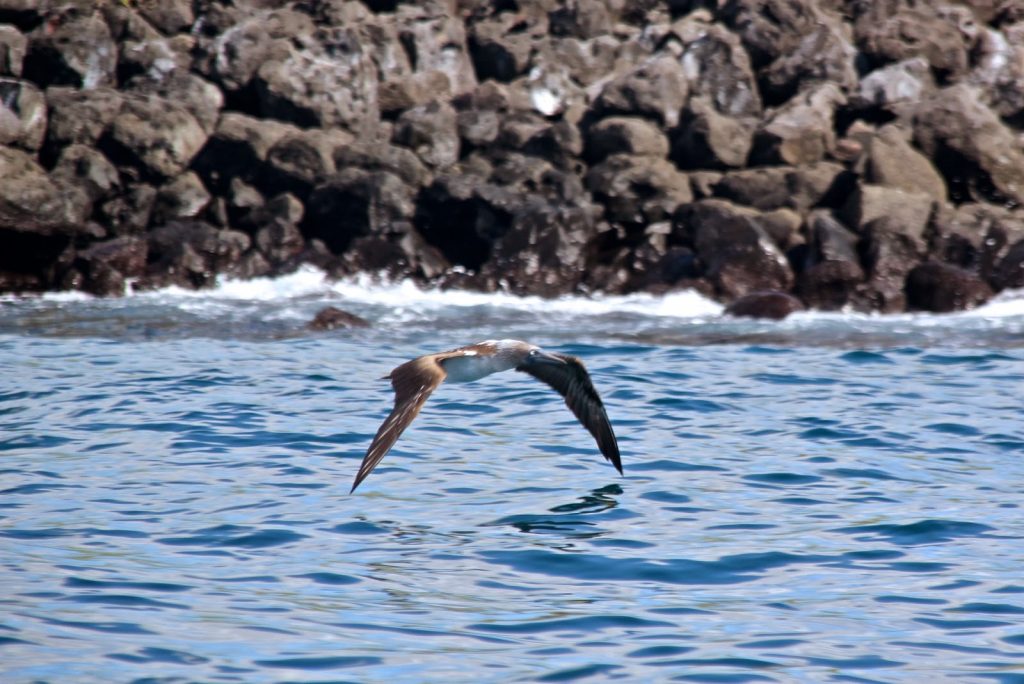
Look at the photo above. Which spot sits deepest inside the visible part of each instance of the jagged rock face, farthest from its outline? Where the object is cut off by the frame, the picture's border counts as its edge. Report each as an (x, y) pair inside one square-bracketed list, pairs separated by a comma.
[(864, 155)]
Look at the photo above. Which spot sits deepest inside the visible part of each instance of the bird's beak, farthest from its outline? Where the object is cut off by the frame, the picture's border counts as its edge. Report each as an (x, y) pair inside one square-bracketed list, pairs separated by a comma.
[(546, 358)]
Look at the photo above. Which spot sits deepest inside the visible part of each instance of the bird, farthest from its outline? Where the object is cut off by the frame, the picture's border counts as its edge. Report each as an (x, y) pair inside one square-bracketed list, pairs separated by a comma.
[(415, 380)]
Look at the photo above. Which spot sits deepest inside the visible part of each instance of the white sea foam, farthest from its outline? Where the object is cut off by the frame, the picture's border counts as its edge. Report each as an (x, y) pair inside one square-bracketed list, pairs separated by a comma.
[(309, 283), (404, 300), (406, 294)]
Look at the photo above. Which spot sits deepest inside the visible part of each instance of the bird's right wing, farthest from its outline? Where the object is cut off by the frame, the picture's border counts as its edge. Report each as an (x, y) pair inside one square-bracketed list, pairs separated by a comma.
[(413, 381), (571, 380)]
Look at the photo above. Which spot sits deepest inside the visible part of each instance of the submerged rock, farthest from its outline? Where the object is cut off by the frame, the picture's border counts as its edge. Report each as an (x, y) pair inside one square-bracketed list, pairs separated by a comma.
[(773, 305), (942, 288), (331, 317)]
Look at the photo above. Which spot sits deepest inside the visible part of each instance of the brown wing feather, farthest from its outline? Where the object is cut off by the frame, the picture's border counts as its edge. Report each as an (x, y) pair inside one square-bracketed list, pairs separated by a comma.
[(573, 382), (413, 381)]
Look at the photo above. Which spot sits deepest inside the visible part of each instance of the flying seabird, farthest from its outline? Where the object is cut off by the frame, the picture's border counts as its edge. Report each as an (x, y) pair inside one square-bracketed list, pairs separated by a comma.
[(415, 380)]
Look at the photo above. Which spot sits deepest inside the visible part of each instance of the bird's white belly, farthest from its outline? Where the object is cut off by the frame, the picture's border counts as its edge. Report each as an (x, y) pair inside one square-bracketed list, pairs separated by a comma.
[(473, 367)]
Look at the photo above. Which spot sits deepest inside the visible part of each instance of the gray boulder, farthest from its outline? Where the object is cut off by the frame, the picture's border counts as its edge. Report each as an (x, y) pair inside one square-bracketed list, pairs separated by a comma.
[(22, 114), (72, 49), (158, 136), (979, 156)]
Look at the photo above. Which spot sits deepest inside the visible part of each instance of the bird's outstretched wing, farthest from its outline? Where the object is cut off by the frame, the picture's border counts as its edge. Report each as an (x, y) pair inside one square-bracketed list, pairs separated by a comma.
[(572, 381), (413, 381)]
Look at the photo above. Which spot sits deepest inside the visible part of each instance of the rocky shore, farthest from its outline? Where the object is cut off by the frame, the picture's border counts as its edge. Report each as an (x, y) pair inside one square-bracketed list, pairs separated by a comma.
[(772, 154)]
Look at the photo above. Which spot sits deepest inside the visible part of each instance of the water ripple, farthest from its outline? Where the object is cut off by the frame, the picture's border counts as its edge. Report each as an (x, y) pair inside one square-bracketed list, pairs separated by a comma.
[(178, 510)]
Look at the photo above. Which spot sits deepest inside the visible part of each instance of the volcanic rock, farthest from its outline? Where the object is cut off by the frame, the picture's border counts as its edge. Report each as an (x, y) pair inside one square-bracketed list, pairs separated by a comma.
[(769, 304), (331, 317), (941, 288)]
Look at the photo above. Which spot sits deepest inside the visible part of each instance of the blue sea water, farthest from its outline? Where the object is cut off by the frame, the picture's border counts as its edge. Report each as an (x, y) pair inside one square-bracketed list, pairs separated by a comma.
[(833, 498)]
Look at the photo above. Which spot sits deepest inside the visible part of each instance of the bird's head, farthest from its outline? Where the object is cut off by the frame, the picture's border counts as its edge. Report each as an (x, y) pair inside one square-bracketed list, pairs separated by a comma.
[(519, 354), (537, 356)]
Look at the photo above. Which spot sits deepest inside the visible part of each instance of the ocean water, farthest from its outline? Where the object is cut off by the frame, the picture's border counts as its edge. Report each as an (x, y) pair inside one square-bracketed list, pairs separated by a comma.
[(831, 498)]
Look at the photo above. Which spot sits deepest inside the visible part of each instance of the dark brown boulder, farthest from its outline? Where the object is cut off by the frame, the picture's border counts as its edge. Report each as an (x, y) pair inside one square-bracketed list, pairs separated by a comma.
[(238, 148), (377, 156), (831, 269), (462, 214), (300, 160), (720, 70), (32, 262), (802, 131), (941, 288), (521, 241), (891, 161), (32, 201), (975, 236), (911, 32), (825, 55), (912, 211), (774, 187), (168, 16), (543, 250), (561, 144), (431, 132), (191, 254), (355, 203), (738, 255), (771, 28), (889, 252), (656, 89), (769, 304), (397, 256), (325, 79), (500, 47), (584, 19), (437, 39), (331, 317), (86, 169), (106, 265), (79, 116), (184, 197), (638, 190), (629, 135), (157, 136), (127, 212), (1010, 272), (708, 139)]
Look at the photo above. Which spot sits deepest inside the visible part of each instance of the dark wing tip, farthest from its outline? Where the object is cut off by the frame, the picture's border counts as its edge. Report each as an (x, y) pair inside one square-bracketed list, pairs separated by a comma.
[(573, 382)]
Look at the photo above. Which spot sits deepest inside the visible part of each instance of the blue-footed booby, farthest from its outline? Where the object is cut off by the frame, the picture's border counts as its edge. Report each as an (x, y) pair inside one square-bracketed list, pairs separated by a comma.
[(415, 380)]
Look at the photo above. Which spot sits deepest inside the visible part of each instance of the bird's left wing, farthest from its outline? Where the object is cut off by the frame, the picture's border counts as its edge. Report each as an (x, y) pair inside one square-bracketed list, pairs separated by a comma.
[(572, 381), (413, 381)]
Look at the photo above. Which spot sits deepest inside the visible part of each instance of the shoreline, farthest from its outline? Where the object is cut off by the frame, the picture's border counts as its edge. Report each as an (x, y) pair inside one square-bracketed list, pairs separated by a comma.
[(812, 156)]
